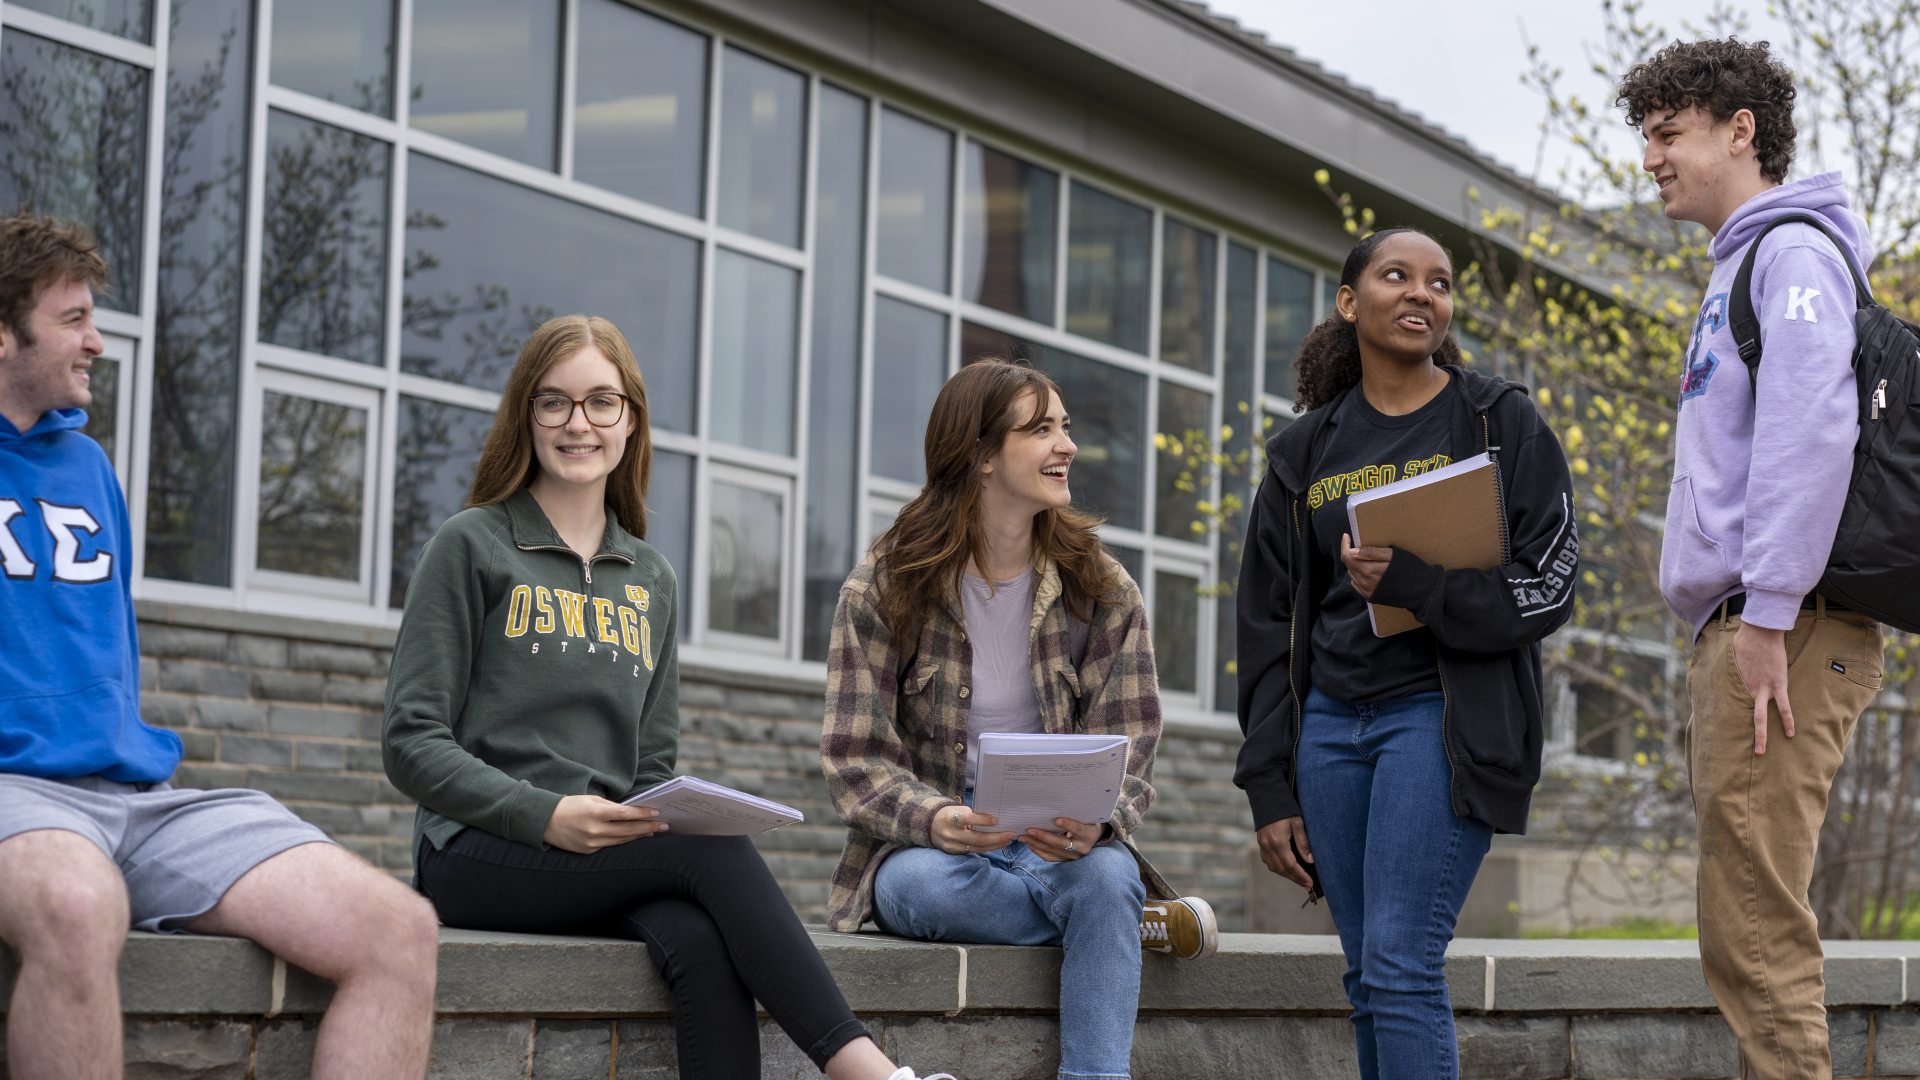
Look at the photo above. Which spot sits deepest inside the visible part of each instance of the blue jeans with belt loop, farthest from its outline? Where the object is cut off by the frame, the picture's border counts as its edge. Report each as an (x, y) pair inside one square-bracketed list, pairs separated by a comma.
[(1090, 906), (1395, 862)]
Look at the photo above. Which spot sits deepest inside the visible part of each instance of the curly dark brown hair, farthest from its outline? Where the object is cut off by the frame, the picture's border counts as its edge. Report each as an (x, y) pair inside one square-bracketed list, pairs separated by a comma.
[(36, 252), (1722, 76), (1329, 358)]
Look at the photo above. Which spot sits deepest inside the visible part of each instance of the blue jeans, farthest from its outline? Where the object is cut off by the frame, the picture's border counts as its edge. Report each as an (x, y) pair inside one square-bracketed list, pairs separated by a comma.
[(1090, 906), (1395, 863)]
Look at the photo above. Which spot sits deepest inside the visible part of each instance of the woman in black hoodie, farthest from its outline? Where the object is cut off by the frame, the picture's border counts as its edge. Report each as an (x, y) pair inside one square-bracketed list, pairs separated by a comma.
[(1380, 768)]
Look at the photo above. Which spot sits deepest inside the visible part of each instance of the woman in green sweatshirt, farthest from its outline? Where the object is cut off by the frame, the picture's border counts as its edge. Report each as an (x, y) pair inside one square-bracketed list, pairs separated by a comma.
[(534, 686)]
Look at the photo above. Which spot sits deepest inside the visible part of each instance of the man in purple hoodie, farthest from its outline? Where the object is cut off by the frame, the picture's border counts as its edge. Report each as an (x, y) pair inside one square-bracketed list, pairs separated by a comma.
[(1779, 674)]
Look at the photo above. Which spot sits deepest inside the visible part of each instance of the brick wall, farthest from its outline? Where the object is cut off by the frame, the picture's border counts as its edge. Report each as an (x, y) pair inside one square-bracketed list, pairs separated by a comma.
[(293, 708)]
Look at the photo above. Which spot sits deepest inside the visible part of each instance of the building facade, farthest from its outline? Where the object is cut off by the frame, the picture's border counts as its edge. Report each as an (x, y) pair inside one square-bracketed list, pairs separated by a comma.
[(331, 226)]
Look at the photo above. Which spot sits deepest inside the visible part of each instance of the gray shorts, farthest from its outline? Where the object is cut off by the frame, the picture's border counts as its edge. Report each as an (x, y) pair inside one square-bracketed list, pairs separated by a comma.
[(180, 850)]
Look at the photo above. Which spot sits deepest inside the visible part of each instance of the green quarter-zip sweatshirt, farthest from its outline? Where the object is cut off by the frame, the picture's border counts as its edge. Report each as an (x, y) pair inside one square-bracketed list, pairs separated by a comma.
[(524, 673)]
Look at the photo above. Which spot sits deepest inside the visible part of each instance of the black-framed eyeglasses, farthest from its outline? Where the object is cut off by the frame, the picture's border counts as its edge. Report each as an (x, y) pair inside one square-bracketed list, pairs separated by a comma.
[(604, 408)]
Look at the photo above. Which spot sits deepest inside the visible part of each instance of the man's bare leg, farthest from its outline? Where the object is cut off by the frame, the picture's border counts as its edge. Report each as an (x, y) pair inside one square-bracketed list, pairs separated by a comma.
[(63, 912), (325, 910)]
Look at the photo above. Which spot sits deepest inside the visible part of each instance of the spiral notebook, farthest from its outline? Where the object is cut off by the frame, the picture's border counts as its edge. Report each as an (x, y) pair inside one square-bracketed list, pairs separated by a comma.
[(1450, 517)]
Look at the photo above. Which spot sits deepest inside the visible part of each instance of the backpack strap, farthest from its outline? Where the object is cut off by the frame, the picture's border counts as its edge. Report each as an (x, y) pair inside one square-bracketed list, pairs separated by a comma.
[(1740, 314)]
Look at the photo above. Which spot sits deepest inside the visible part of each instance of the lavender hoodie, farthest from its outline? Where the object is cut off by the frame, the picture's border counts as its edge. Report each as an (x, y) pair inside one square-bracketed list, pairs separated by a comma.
[(1758, 480)]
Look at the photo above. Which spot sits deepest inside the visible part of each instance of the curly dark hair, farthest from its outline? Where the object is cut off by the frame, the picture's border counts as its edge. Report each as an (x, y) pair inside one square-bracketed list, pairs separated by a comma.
[(1329, 358), (1722, 76), (36, 252)]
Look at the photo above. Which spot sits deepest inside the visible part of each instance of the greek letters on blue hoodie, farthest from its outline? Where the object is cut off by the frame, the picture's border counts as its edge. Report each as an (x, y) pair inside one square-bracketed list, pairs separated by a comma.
[(69, 655), (1760, 475)]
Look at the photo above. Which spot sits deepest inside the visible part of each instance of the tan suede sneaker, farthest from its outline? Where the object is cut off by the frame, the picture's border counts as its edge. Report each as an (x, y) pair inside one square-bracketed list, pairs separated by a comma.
[(1183, 928)]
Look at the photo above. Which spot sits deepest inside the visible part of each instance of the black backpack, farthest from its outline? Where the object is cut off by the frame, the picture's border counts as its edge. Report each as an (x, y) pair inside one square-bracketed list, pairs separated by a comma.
[(1874, 568)]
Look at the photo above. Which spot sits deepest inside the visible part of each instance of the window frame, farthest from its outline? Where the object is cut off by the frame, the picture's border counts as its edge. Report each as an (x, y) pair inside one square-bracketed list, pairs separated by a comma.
[(247, 488), (264, 366)]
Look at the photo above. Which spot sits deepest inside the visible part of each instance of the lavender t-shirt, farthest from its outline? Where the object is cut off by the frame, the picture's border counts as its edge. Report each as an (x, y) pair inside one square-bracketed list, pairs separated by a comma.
[(999, 618)]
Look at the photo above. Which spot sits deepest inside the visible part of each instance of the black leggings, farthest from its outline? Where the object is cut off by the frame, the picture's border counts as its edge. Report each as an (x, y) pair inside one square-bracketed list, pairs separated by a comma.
[(711, 915)]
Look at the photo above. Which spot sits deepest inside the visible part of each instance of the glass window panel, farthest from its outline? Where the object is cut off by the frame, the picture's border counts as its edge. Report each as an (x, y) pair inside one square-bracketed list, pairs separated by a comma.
[(833, 401), (756, 324), (341, 51), (1009, 234), (1108, 407), (487, 72), (909, 364), (437, 447), (1289, 317), (312, 486), (916, 196), (1184, 471), (1186, 296), (1241, 476), (640, 106), (191, 462), (743, 579), (324, 240), (1109, 268), (73, 144), (1131, 558), (763, 153), (488, 261), (1176, 631), (103, 415), (1329, 288), (881, 515), (670, 521), (121, 18)]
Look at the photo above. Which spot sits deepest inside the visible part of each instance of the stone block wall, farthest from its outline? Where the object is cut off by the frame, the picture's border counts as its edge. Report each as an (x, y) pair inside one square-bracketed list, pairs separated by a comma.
[(297, 717), (293, 707), (569, 1008)]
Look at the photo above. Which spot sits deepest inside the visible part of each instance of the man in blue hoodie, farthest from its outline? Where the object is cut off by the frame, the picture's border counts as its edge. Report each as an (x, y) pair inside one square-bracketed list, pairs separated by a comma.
[(92, 838), (1779, 674)]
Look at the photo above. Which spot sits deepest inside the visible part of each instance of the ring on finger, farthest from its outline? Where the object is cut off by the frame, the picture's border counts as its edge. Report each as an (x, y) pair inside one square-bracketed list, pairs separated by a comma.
[(1069, 845)]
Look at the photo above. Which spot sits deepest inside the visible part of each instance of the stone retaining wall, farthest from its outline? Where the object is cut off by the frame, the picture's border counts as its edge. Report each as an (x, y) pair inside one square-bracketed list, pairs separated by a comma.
[(1269, 1005)]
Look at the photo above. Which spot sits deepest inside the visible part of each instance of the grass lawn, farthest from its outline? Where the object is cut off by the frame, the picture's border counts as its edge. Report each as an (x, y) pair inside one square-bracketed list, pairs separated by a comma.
[(1625, 929)]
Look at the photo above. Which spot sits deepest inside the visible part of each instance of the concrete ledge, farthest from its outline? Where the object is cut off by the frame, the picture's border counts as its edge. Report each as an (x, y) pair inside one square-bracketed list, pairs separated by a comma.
[(201, 1008), (488, 974)]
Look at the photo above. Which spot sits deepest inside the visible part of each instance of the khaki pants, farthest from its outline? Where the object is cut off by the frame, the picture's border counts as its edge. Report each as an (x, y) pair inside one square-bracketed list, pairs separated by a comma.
[(1759, 826)]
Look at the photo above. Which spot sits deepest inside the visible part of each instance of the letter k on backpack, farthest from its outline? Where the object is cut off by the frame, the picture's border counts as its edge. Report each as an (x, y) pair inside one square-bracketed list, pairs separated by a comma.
[(1875, 565)]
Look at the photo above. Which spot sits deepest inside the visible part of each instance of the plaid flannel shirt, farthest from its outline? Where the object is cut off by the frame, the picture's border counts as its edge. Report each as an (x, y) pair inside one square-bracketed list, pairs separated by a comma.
[(894, 745)]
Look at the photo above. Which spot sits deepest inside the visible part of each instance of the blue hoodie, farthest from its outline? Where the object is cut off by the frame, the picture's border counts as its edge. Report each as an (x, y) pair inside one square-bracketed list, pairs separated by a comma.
[(69, 654), (1759, 478)]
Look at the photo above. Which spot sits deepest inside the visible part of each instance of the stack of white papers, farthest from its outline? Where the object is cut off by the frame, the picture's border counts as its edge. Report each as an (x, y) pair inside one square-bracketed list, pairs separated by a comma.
[(694, 807), (1028, 780)]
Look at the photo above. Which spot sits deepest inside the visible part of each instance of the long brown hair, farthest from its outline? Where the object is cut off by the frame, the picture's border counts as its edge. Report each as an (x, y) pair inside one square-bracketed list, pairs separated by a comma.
[(927, 547), (507, 463)]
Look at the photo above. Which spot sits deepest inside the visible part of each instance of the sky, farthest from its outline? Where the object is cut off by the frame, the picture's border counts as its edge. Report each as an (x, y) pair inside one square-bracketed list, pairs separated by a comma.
[(1459, 64)]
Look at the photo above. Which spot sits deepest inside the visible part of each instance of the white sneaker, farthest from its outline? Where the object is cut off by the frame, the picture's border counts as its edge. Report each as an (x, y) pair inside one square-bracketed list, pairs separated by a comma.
[(905, 1073)]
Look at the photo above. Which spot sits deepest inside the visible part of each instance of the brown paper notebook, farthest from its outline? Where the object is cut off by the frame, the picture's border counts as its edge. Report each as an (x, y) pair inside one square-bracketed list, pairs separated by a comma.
[(1450, 517)]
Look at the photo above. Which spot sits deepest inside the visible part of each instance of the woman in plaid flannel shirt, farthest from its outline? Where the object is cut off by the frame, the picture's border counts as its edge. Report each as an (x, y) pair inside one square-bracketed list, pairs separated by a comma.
[(989, 605)]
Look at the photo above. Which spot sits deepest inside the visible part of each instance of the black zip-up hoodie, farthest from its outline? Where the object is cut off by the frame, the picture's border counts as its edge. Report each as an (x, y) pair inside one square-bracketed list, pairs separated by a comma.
[(1487, 624)]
